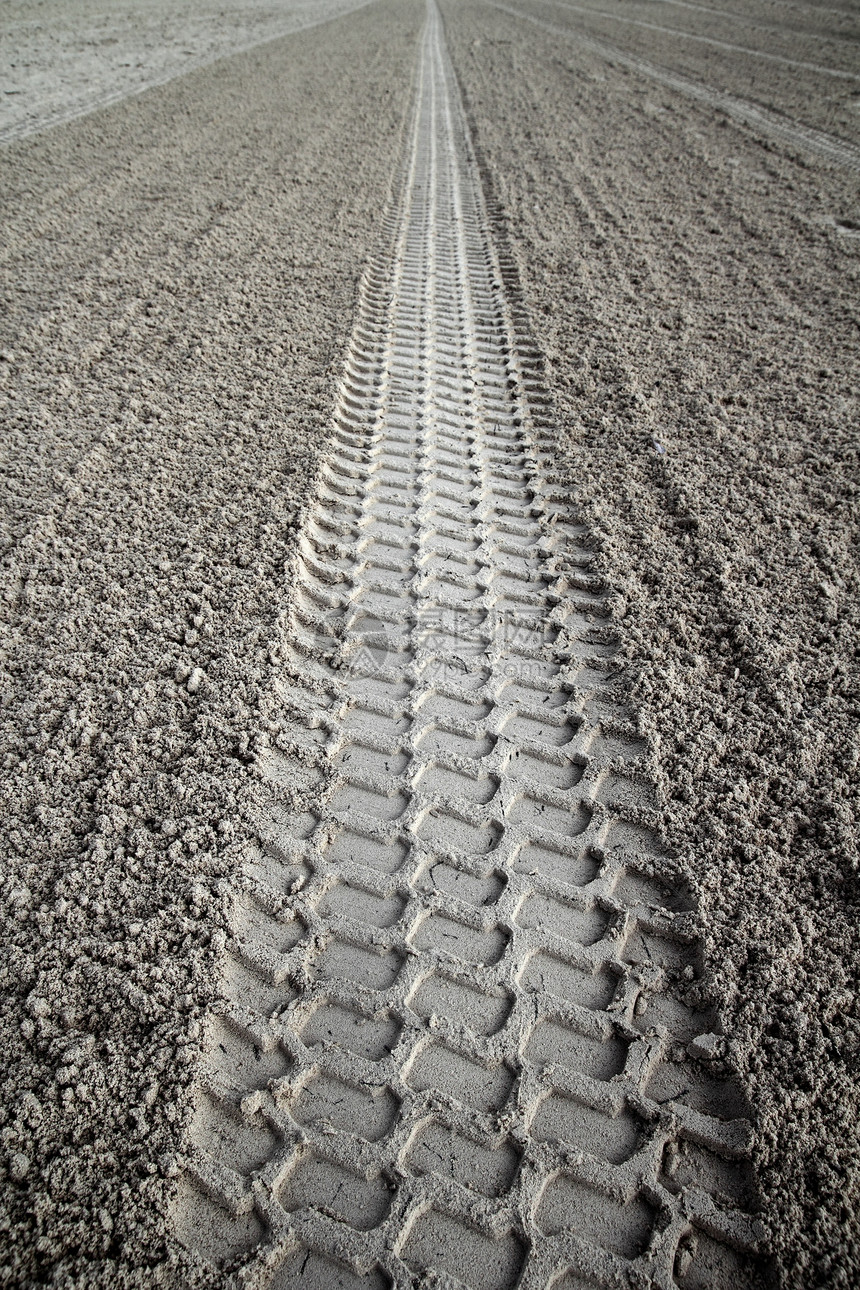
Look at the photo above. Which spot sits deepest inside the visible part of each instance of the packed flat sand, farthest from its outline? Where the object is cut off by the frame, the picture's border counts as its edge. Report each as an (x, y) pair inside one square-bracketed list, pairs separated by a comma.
[(181, 275)]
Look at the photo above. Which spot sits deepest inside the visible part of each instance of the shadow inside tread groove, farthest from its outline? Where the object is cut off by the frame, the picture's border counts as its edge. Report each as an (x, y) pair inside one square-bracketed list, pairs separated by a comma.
[(465, 1042)]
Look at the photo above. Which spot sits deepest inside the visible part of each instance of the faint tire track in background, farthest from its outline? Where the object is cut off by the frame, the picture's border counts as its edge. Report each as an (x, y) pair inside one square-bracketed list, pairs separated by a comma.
[(837, 151), (49, 118), (748, 20), (464, 1041), (697, 38)]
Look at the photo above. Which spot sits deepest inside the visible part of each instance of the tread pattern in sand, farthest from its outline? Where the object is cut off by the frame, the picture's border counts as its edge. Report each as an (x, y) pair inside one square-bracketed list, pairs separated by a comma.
[(463, 1041)]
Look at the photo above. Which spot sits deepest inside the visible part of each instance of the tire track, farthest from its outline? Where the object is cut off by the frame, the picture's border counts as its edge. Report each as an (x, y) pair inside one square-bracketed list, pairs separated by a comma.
[(464, 1044), (837, 151)]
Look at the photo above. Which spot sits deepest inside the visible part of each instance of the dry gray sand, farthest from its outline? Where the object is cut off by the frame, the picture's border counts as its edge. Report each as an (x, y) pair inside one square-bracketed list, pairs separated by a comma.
[(180, 283), (58, 61), (178, 303)]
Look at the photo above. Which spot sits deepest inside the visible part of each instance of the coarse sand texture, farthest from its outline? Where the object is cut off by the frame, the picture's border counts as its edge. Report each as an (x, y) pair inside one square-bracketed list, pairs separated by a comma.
[(464, 1040)]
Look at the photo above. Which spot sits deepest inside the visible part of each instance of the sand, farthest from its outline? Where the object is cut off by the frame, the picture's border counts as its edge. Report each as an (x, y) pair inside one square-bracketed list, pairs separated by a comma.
[(181, 275), (60, 62)]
